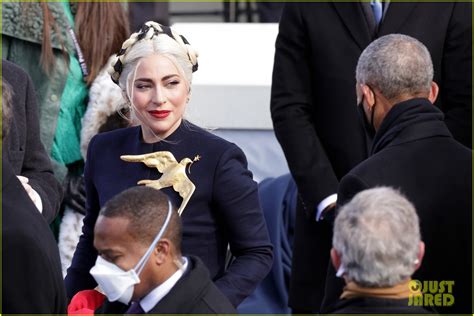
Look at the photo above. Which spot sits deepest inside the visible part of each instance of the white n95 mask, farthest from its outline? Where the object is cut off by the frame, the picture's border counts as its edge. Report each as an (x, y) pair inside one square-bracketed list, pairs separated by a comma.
[(117, 284)]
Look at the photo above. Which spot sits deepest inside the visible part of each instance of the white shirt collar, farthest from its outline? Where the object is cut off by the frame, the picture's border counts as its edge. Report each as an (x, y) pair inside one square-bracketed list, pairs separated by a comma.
[(155, 296)]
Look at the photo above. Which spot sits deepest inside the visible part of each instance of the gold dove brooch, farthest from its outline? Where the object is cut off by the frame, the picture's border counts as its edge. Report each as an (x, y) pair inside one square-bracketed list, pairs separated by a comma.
[(173, 173)]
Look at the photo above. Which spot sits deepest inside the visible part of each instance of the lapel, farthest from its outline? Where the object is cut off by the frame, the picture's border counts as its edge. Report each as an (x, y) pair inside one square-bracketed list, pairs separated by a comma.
[(352, 15), (397, 14)]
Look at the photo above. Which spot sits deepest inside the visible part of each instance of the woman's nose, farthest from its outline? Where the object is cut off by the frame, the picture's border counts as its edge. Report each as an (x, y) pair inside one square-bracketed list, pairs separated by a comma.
[(159, 97)]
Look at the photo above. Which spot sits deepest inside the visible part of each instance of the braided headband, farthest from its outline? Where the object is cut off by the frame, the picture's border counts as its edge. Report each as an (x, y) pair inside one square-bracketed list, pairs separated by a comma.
[(148, 31)]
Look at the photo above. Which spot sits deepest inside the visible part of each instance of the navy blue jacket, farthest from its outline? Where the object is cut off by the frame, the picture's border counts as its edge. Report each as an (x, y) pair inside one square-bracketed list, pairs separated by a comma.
[(224, 210)]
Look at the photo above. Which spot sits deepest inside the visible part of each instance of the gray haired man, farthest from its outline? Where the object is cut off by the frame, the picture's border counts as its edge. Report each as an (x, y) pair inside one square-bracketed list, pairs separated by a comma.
[(376, 248), (414, 151)]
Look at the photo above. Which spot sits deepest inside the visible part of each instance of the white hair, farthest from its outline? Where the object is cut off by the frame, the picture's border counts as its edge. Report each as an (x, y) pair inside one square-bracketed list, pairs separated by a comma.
[(160, 44), (174, 48), (377, 235)]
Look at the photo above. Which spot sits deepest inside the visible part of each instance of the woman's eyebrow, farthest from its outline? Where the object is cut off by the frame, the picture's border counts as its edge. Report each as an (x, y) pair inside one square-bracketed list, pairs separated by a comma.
[(162, 79), (144, 79), (169, 76)]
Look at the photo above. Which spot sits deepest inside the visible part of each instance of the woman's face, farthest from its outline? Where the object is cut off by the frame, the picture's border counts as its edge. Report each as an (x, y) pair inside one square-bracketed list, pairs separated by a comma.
[(159, 96)]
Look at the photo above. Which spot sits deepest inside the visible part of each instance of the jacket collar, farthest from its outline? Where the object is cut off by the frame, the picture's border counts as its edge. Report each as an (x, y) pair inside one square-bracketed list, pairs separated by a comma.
[(398, 291), (409, 121), (157, 294), (190, 287)]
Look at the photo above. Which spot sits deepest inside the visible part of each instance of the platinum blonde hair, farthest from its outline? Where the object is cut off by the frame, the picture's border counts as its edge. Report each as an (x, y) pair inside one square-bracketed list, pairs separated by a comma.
[(377, 235), (152, 39), (396, 64), (161, 45)]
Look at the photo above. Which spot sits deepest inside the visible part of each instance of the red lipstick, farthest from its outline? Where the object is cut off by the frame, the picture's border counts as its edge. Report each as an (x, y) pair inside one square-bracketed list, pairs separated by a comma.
[(159, 114)]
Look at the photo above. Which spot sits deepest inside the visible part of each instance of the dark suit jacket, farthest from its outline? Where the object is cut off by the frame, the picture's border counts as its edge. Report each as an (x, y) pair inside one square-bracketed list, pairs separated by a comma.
[(313, 103), (32, 282), (434, 172), (278, 199), (23, 146), (194, 293), (223, 210)]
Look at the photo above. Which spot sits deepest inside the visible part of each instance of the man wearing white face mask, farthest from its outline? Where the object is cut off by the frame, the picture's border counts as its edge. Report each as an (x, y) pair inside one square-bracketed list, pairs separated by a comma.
[(140, 268)]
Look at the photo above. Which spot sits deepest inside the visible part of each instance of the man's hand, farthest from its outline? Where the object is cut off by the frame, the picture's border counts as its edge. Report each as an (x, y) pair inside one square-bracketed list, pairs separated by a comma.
[(34, 196)]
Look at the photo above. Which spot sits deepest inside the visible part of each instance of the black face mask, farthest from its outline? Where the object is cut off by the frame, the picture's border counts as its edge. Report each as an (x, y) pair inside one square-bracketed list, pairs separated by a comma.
[(368, 126)]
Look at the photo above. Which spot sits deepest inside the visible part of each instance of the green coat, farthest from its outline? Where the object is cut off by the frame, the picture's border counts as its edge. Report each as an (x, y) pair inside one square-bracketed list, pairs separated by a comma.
[(21, 44)]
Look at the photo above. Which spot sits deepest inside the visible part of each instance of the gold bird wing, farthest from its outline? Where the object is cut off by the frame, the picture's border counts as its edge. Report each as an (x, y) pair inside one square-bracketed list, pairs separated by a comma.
[(185, 188), (159, 159)]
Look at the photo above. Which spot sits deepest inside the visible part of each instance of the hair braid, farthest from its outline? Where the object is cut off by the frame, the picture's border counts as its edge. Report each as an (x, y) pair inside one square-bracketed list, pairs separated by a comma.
[(149, 30)]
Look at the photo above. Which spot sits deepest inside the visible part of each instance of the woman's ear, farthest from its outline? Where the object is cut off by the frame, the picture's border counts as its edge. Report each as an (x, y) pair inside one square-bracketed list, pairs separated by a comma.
[(189, 95)]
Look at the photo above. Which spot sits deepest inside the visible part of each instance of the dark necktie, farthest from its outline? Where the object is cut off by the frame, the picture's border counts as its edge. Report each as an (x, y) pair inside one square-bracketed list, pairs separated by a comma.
[(135, 308)]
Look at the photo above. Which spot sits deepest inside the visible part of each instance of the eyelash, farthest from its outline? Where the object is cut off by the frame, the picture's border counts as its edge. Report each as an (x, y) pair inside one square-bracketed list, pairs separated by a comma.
[(108, 258), (145, 86), (173, 83), (142, 86)]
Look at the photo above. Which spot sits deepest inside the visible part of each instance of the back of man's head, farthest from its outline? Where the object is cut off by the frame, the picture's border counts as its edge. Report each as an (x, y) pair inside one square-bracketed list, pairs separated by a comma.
[(396, 65), (377, 236), (146, 209)]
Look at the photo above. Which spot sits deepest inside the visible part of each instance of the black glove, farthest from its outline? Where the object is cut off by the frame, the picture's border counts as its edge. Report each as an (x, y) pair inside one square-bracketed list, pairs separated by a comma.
[(75, 193)]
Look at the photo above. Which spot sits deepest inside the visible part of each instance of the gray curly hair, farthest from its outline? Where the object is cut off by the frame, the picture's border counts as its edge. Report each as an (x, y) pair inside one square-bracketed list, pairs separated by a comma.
[(377, 235), (396, 64)]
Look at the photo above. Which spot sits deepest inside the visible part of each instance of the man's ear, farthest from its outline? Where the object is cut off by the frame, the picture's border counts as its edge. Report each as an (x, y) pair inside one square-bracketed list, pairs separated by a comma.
[(335, 259), (421, 253), (369, 96), (434, 90), (162, 251)]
